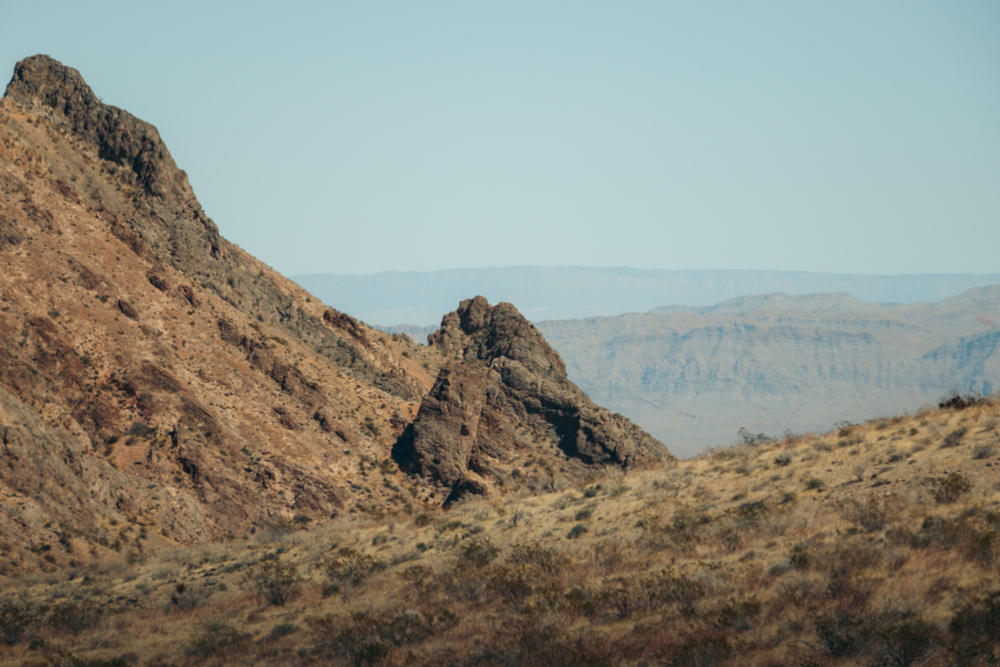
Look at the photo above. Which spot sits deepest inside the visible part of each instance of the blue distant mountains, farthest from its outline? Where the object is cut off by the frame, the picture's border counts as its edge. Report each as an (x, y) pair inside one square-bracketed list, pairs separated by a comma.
[(558, 293)]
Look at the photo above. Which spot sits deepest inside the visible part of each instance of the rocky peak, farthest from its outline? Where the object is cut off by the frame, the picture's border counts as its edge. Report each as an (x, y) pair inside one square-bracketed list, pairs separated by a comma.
[(120, 137), (504, 396), (486, 333)]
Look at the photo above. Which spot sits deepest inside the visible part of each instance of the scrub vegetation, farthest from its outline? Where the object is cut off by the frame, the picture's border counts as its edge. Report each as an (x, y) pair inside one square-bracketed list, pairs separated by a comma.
[(875, 544)]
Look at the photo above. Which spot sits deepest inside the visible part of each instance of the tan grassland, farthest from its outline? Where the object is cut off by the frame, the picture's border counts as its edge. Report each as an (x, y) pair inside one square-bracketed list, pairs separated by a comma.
[(874, 544)]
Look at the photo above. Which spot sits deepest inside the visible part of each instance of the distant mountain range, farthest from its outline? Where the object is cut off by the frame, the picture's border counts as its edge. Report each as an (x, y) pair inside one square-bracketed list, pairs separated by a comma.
[(693, 376), (557, 293)]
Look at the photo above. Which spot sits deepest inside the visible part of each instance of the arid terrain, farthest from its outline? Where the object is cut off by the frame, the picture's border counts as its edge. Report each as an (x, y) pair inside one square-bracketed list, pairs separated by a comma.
[(693, 376), (204, 464), (874, 544)]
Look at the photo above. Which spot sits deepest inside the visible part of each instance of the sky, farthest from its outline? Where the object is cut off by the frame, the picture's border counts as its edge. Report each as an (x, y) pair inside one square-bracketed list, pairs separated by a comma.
[(844, 137)]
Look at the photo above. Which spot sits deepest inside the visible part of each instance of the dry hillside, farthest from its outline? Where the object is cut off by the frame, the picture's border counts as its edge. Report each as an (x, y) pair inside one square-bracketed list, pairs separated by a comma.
[(875, 544)]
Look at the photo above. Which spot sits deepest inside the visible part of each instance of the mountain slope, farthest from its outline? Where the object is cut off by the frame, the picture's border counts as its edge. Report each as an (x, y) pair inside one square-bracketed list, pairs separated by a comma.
[(209, 394), (157, 384)]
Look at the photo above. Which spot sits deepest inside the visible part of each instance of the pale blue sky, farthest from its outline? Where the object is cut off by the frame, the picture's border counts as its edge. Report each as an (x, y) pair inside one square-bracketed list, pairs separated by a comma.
[(847, 136)]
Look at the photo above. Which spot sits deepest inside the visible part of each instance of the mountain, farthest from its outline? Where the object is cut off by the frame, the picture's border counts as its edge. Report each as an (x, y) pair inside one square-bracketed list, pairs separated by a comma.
[(503, 392), (693, 376), (557, 293), (157, 384), (201, 464)]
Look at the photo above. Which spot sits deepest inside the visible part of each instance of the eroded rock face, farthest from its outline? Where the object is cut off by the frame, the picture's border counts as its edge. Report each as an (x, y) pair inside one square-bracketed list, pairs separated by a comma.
[(505, 394)]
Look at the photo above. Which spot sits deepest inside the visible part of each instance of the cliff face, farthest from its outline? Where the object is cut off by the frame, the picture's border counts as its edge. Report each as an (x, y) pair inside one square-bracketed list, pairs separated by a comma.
[(503, 396)]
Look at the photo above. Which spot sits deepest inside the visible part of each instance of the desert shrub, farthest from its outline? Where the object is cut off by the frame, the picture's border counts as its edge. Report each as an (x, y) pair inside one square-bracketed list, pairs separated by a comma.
[(974, 630), (949, 488), (974, 540), (954, 439), (610, 556), (466, 580), (582, 600), (845, 570), (215, 638), (534, 553), (753, 439), (512, 583), (477, 552), (74, 616), (799, 556), (188, 597), (814, 483), (418, 576), (900, 639), (983, 451), (729, 535), (584, 514), (980, 545), (870, 516), (623, 596), (957, 401), (16, 619), (371, 638), (284, 629), (576, 531), (800, 591), (351, 568), (541, 642), (677, 590), (61, 658), (454, 524), (735, 614), (783, 459), (842, 631), (277, 582), (703, 650), (844, 428)]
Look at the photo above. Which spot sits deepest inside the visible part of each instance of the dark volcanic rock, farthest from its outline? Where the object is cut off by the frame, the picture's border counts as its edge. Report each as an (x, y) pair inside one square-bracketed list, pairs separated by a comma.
[(503, 391)]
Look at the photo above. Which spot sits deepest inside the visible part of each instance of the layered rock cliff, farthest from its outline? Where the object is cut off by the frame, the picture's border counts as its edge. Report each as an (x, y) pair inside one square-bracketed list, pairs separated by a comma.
[(693, 376)]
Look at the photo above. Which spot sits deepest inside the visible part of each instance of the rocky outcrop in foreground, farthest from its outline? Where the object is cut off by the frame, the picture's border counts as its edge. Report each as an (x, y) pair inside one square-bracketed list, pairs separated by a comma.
[(504, 396)]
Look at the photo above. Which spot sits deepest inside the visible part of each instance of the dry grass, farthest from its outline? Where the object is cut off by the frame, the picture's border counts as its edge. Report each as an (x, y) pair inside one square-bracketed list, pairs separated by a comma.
[(873, 544)]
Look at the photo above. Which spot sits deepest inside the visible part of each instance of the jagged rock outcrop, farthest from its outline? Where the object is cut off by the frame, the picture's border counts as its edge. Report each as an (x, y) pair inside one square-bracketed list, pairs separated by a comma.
[(504, 394)]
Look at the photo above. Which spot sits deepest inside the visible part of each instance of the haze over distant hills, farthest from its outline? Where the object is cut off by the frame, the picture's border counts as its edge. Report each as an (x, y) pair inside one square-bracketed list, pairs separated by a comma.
[(693, 376), (556, 293)]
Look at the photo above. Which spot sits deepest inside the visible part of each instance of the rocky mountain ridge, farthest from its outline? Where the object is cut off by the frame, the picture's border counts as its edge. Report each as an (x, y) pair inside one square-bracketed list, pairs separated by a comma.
[(158, 384)]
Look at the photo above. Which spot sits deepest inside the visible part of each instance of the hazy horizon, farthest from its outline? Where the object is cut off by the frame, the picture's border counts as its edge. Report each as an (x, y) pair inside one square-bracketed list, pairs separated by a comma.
[(358, 138), (418, 298)]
